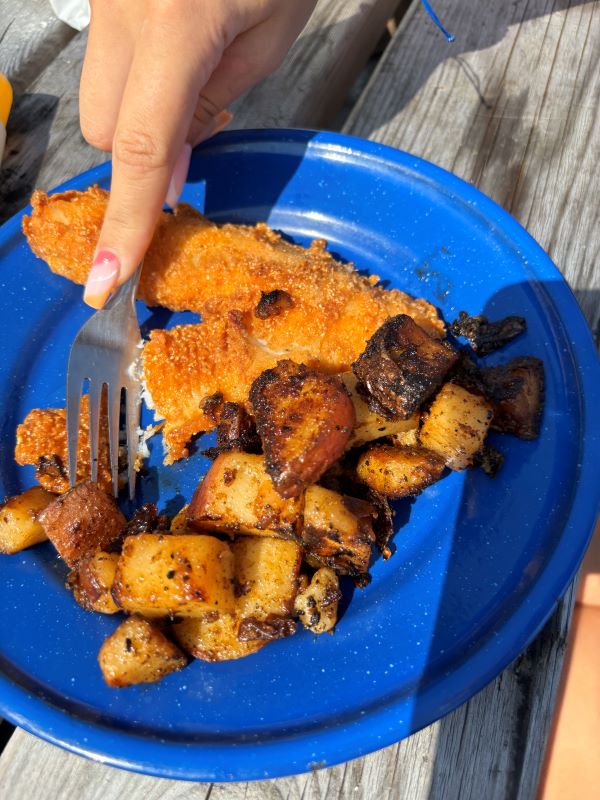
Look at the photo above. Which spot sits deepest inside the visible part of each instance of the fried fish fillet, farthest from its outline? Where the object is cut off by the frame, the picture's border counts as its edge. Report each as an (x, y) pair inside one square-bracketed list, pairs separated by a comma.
[(42, 441), (227, 274)]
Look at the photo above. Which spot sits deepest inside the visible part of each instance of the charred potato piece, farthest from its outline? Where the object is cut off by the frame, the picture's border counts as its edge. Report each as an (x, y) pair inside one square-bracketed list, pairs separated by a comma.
[(265, 584), (369, 424), (338, 531), (92, 582), (399, 471), (162, 575), (457, 425), (236, 430), (81, 521), (317, 602), (485, 336), (138, 652), (19, 524), (517, 391), (304, 419), (402, 365), (238, 496)]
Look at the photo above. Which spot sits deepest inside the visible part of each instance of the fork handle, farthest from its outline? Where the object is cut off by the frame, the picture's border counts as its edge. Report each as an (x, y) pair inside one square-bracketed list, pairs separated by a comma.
[(126, 292)]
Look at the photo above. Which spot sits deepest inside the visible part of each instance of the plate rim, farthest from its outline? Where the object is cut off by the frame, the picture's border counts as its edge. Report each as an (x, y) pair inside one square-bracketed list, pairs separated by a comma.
[(378, 729)]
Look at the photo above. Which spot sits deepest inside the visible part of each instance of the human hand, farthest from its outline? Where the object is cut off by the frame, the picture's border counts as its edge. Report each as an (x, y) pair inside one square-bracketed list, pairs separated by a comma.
[(157, 78)]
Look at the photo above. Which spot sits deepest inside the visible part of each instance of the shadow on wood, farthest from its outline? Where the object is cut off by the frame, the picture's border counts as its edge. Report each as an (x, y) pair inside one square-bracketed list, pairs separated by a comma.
[(29, 133)]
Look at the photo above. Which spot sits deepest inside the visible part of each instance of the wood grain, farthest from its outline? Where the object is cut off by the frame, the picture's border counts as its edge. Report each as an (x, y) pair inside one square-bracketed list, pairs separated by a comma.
[(30, 38), (513, 107), (45, 146)]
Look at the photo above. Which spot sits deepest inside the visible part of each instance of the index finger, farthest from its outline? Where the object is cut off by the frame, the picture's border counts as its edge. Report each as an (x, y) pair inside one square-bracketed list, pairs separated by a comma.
[(154, 118)]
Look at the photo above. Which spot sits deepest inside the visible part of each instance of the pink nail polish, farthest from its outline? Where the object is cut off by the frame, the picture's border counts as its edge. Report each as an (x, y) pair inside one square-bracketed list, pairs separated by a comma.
[(180, 171), (102, 278)]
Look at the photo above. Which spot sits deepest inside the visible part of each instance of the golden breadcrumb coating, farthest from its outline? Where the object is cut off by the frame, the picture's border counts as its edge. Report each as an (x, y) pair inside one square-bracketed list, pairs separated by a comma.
[(42, 442)]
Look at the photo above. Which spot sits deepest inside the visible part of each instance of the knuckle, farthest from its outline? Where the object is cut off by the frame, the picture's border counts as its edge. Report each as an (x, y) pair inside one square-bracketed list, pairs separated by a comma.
[(96, 135), (139, 149)]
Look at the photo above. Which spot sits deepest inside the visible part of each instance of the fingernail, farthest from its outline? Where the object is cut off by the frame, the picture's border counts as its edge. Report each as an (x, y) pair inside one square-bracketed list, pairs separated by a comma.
[(222, 120), (102, 279), (180, 171), (213, 126)]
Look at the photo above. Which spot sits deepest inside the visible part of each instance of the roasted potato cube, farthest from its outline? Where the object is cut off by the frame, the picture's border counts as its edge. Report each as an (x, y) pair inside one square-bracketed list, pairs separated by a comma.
[(406, 438), (304, 419), (399, 471), (338, 531), (138, 652), (179, 523), (516, 390), (402, 365), (81, 521), (214, 637), (266, 572), (92, 581), (369, 424), (317, 602), (457, 425), (167, 575), (19, 524), (265, 585), (237, 496)]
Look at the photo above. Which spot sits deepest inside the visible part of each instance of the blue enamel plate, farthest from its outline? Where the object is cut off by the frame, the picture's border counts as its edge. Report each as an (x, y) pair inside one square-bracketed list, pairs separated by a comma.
[(479, 564)]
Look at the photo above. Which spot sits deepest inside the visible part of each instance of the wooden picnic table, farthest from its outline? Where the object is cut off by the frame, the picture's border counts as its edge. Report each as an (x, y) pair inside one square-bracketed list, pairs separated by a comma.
[(511, 106)]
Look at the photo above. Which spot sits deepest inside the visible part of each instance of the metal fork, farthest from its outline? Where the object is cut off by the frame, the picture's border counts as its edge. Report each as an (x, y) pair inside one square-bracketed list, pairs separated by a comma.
[(104, 352)]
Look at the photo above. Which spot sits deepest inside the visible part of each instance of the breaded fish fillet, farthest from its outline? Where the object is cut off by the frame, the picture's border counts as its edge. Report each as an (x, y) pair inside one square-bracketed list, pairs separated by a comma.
[(42, 441), (322, 314)]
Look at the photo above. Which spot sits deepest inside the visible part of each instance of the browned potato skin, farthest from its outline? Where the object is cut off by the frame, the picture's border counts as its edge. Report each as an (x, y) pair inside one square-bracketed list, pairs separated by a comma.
[(517, 392), (81, 521), (168, 575), (399, 471), (402, 365), (92, 581), (266, 572), (317, 601), (457, 425), (371, 425), (338, 531), (237, 496), (179, 523), (304, 419), (138, 652), (19, 524)]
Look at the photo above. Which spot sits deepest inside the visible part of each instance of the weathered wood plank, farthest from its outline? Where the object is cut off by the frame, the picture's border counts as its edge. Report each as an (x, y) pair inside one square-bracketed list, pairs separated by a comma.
[(30, 38), (45, 146)]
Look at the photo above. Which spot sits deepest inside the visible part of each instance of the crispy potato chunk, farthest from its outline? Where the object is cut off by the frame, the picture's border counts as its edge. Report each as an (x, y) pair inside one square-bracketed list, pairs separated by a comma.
[(138, 652), (457, 425), (266, 572), (399, 471), (179, 523), (304, 419), (517, 391), (81, 521), (92, 581), (237, 496), (338, 531), (370, 425), (317, 602), (162, 575), (402, 365), (19, 524)]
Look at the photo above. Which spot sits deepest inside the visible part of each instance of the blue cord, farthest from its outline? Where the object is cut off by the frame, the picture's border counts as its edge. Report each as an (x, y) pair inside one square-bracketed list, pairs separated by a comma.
[(449, 36)]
